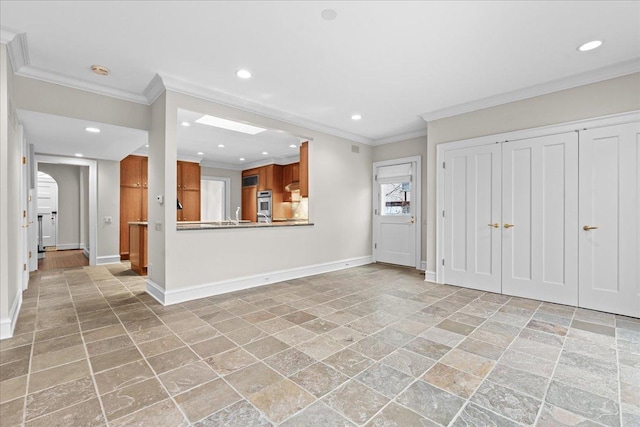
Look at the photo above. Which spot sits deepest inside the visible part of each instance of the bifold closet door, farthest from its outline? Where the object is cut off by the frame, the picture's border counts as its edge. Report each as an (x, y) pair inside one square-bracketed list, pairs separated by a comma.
[(609, 226), (540, 218), (472, 217)]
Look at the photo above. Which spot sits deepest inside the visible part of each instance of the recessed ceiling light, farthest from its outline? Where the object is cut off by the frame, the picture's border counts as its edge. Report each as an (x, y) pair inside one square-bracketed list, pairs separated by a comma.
[(590, 46), (242, 159), (78, 155), (356, 117), (229, 125), (329, 14), (92, 130), (200, 153), (185, 124), (220, 145), (243, 74), (147, 146), (265, 153), (101, 70), (293, 146)]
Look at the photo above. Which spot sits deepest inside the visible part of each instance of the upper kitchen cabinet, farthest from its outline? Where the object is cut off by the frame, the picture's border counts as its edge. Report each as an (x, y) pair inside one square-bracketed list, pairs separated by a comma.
[(304, 169), (133, 197), (132, 171), (188, 181)]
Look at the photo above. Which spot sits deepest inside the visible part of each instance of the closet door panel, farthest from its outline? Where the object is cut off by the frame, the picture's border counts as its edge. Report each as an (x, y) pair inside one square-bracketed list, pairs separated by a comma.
[(539, 234), (610, 201), (472, 205)]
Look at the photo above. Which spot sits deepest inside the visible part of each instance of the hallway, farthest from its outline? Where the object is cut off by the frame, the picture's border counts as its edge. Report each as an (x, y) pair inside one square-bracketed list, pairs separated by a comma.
[(63, 259), (372, 344)]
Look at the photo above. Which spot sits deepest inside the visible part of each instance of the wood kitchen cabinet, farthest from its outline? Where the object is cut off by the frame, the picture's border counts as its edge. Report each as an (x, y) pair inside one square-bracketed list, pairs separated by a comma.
[(138, 248), (133, 197), (304, 169), (188, 179), (250, 203), (290, 173)]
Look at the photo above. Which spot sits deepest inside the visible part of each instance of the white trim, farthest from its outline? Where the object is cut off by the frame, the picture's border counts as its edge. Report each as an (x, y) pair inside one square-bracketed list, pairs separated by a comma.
[(219, 165), (423, 265), (107, 259), (154, 89), (7, 34), (18, 50), (215, 288), (69, 246), (416, 200), (429, 276), (86, 253), (188, 88), (589, 77), (8, 324), (93, 195), (590, 123), (400, 137)]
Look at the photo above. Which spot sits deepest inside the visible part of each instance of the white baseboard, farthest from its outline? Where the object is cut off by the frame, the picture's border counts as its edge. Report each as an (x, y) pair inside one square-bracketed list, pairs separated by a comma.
[(429, 276), (423, 265), (107, 259), (69, 246), (209, 289), (8, 324), (86, 253)]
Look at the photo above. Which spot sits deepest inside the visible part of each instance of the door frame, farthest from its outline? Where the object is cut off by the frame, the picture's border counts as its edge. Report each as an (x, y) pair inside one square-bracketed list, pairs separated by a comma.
[(577, 125), (417, 199), (93, 198)]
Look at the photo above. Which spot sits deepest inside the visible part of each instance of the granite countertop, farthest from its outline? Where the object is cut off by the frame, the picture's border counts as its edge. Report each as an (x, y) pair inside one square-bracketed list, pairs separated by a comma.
[(225, 225), (138, 223)]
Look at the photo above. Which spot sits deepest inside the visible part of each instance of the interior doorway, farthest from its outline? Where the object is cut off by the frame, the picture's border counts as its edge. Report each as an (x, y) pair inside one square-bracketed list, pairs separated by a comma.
[(215, 198), (47, 209)]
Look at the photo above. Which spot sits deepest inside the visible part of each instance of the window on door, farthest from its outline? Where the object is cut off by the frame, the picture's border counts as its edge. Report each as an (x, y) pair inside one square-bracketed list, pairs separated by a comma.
[(395, 189)]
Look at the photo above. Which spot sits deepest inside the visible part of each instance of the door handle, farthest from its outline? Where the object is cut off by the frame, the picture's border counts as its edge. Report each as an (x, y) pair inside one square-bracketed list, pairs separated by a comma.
[(509, 225), (589, 227), (496, 225), (411, 221)]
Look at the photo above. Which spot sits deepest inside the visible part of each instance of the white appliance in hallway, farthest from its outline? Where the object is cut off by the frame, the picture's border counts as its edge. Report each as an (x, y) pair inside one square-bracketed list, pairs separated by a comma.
[(396, 217), (609, 219), (554, 217), (48, 208)]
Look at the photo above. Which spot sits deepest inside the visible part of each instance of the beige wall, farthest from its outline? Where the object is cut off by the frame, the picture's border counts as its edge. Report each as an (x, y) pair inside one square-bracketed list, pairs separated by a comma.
[(10, 205), (236, 184), (599, 99), (69, 199), (340, 206), (45, 97), (108, 205), (408, 148)]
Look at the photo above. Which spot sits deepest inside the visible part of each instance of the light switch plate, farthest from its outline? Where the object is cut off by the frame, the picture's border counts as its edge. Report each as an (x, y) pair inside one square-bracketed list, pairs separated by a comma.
[(108, 220), (158, 225)]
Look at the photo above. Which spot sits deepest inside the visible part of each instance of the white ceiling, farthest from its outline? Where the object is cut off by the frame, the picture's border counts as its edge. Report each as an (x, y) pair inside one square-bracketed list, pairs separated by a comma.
[(389, 61), (64, 136)]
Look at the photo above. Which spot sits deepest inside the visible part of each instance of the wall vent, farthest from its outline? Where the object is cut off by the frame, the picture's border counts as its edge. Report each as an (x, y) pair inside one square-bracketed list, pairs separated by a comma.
[(355, 149)]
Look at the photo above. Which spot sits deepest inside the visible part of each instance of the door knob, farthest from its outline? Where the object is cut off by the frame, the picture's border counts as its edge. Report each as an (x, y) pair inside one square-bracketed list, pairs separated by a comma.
[(496, 225), (411, 221), (589, 227), (509, 225)]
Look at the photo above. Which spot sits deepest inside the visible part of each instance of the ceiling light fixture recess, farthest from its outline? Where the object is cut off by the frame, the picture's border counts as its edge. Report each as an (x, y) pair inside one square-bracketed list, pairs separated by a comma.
[(78, 155), (329, 14), (243, 74), (100, 70), (242, 159), (220, 145), (293, 146), (265, 153), (594, 44), (92, 130), (356, 117), (229, 125), (185, 124), (146, 145), (200, 153)]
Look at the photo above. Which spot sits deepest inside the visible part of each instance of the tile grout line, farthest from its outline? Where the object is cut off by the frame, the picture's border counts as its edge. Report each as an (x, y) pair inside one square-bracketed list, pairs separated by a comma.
[(33, 344), (615, 330)]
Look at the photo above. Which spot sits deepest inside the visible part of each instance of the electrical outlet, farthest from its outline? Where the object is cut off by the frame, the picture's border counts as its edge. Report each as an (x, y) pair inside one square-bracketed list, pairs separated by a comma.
[(108, 220)]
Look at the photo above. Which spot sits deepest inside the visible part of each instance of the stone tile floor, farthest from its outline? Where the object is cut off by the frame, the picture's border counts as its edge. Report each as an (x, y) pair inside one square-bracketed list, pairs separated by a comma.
[(373, 345)]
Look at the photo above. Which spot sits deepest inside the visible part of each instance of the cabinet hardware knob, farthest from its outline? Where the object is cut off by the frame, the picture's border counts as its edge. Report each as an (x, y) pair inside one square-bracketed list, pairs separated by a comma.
[(496, 225), (589, 227), (509, 225)]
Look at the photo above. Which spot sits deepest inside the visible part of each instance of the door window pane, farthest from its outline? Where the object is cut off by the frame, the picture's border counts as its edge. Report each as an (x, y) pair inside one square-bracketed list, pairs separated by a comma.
[(395, 198)]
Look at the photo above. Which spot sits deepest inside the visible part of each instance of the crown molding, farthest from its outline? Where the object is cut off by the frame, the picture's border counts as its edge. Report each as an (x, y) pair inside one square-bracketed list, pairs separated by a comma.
[(7, 34), (589, 77), (220, 165), (400, 137), (154, 89), (17, 47), (60, 79), (196, 91)]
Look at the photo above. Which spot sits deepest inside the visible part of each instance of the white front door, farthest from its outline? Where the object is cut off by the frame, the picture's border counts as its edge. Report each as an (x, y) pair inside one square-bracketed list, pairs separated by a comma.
[(609, 224), (48, 208), (539, 215), (471, 217), (395, 216)]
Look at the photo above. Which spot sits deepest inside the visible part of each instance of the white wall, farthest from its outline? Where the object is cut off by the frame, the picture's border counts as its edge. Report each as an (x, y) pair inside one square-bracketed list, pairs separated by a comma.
[(340, 206), (608, 97), (10, 205), (408, 148), (70, 224), (236, 184), (108, 206)]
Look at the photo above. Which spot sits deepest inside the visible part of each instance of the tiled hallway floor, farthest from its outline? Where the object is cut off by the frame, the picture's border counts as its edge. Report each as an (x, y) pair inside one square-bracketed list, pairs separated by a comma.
[(373, 346)]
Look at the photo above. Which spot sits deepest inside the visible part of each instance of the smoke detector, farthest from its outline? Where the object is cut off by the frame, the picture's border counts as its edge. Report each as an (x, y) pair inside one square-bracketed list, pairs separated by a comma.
[(100, 70)]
